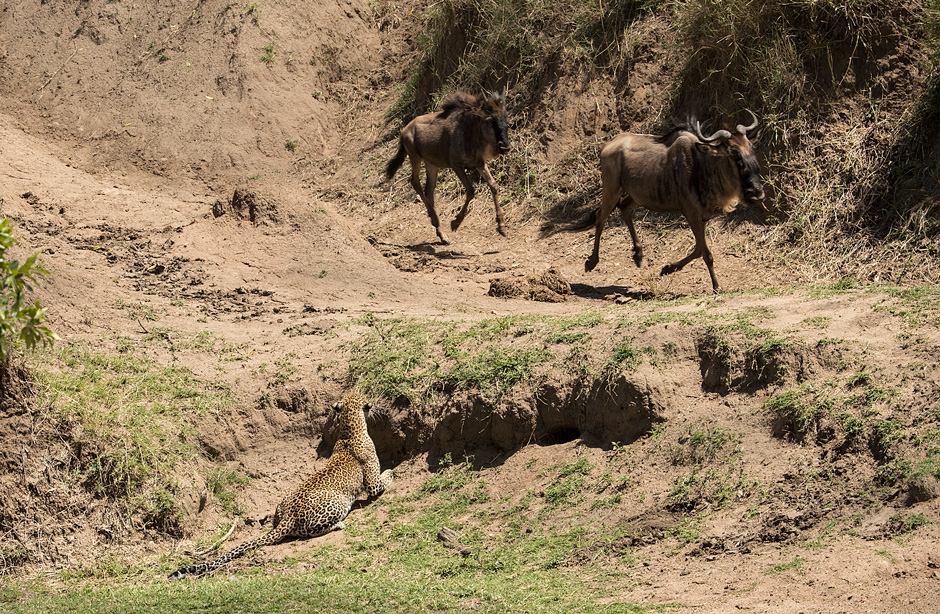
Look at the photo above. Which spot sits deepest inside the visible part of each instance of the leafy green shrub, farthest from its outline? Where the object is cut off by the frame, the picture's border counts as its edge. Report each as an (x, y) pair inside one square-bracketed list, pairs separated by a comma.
[(21, 323)]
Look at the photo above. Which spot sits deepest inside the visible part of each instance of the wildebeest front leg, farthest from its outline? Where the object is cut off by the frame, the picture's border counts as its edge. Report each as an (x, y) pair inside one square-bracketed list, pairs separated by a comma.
[(461, 173), (427, 195), (701, 249), (500, 222), (627, 207)]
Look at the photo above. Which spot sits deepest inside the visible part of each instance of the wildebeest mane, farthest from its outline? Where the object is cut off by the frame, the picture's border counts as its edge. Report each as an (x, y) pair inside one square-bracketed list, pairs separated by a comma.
[(471, 115), (460, 101), (674, 127)]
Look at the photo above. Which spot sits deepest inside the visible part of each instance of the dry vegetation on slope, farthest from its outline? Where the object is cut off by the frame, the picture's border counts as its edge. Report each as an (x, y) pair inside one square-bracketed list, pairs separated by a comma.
[(201, 181), (847, 93)]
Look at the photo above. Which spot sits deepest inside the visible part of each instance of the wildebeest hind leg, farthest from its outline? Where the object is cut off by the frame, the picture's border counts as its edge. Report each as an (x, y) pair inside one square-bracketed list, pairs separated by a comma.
[(427, 195), (609, 199), (468, 186)]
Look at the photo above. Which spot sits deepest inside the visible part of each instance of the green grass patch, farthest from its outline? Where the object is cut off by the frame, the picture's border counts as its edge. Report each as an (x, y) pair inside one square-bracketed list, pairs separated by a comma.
[(450, 478), (817, 322), (918, 306), (225, 484), (127, 420), (798, 410), (743, 354), (569, 485), (140, 311), (900, 524), (796, 564), (448, 585), (392, 561), (687, 531), (202, 342), (625, 357), (270, 54), (841, 286), (420, 360), (713, 485), (706, 444), (284, 368)]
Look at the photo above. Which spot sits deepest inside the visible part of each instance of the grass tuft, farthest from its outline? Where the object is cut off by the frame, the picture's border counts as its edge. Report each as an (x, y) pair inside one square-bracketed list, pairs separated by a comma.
[(126, 424)]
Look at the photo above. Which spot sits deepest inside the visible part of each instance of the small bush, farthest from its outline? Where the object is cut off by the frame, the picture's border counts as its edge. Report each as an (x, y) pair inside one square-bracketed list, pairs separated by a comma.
[(797, 412), (900, 523), (21, 323)]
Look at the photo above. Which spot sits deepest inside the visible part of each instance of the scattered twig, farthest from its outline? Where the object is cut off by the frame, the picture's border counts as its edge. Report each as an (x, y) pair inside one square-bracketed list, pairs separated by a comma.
[(219, 542), (52, 76), (449, 537), (144, 328)]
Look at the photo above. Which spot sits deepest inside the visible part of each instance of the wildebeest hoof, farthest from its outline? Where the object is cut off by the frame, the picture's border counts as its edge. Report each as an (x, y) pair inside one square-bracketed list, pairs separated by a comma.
[(454, 225), (502, 231), (667, 270), (638, 259), (589, 264)]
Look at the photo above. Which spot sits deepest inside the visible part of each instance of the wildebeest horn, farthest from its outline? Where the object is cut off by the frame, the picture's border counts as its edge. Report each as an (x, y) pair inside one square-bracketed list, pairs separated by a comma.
[(719, 135), (743, 129)]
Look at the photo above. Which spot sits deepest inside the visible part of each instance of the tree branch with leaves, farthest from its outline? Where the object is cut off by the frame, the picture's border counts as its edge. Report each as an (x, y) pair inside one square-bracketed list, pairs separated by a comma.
[(21, 322)]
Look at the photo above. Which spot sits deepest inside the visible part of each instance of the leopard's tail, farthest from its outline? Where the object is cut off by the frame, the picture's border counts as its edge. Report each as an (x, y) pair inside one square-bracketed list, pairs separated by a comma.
[(270, 538)]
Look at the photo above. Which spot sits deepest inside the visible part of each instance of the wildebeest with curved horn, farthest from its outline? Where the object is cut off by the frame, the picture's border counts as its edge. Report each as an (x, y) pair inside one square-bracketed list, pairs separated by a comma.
[(464, 135), (683, 171)]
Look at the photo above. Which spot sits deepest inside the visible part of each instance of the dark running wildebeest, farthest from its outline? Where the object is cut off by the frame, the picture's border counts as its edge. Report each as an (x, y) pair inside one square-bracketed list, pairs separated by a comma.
[(683, 171), (464, 135)]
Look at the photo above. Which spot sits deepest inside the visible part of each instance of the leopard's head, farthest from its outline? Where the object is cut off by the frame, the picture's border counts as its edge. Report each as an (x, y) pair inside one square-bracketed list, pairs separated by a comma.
[(353, 410)]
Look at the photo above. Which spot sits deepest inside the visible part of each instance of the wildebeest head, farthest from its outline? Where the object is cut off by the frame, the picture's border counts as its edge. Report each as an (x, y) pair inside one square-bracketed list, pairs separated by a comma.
[(494, 107), (740, 148)]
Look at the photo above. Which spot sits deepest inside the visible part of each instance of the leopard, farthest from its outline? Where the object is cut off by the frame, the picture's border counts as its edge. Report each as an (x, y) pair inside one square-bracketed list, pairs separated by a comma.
[(322, 502)]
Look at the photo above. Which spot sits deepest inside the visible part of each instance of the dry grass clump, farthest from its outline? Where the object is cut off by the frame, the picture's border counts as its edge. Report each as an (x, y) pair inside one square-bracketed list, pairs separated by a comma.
[(527, 44), (849, 120), (779, 54), (860, 200)]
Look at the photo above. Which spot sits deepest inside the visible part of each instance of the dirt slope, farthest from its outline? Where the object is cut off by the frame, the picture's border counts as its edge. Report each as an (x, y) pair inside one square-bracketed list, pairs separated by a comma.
[(126, 130)]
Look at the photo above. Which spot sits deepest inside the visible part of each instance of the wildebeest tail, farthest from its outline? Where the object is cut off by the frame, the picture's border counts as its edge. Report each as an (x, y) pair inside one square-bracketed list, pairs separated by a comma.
[(589, 221), (395, 163)]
